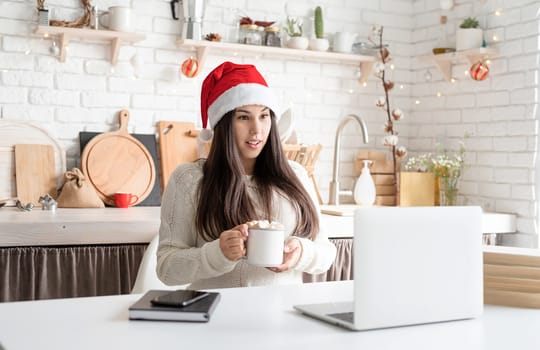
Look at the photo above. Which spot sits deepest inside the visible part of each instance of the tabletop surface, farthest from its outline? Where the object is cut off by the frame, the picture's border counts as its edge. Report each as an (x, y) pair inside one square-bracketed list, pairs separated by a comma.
[(250, 318)]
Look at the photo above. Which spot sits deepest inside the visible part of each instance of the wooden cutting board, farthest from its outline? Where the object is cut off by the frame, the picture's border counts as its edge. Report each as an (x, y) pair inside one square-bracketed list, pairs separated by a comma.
[(117, 162), (149, 141), (14, 132), (177, 145), (34, 172)]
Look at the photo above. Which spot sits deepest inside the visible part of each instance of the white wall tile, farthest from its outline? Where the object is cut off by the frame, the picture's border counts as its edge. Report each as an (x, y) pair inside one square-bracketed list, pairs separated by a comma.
[(104, 99), (27, 78)]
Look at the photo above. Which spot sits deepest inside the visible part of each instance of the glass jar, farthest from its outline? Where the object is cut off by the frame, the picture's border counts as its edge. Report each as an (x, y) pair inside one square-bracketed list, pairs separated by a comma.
[(448, 190), (250, 34), (272, 37)]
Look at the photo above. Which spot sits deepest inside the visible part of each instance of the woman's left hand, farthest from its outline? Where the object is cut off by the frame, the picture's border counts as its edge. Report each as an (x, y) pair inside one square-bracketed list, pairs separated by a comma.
[(291, 254)]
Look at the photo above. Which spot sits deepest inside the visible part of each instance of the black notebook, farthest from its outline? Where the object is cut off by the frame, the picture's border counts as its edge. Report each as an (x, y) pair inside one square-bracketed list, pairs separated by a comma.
[(199, 311)]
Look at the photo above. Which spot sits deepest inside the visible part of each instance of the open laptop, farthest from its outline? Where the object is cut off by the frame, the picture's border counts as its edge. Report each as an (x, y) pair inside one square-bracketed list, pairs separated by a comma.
[(411, 265)]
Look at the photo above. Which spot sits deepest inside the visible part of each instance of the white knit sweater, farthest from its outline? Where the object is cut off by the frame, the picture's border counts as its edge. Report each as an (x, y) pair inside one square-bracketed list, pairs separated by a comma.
[(183, 257)]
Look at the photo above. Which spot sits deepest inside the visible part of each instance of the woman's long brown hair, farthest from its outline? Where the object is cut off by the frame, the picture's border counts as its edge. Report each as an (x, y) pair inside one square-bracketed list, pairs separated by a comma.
[(223, 195)]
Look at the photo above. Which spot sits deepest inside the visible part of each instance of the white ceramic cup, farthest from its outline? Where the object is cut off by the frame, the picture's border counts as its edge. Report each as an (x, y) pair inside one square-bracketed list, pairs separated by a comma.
[(265, 247), (118, 18), (343, 41)]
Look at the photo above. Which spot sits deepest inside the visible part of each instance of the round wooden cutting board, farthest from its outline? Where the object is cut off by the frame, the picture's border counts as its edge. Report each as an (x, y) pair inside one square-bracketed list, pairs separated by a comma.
[(118, 162)]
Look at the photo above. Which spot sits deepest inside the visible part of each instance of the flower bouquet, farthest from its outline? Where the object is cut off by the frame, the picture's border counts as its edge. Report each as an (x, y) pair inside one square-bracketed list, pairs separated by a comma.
[(446, 166)]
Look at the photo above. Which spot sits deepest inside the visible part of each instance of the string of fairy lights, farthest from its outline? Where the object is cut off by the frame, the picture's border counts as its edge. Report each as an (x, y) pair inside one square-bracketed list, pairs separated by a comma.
[(479, 69)]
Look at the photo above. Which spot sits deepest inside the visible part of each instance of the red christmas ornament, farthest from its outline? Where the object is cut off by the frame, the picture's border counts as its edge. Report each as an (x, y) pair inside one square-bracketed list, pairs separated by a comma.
[(479, 71), (190, 67)]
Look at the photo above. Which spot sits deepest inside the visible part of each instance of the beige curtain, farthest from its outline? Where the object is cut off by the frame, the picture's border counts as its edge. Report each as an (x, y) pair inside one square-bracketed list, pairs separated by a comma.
[(342, 269), (30, 273)]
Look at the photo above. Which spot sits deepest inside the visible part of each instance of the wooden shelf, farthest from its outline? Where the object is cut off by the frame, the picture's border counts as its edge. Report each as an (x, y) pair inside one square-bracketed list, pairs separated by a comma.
[(445, 61), (65, 34), (202, 48)]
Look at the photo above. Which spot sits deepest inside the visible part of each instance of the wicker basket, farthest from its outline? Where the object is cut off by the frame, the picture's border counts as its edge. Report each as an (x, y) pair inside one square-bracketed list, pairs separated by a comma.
[(306, 155)]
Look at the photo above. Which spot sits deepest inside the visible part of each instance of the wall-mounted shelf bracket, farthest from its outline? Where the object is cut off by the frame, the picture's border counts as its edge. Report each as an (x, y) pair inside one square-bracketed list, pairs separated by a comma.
[(65, 34), (445, 61)]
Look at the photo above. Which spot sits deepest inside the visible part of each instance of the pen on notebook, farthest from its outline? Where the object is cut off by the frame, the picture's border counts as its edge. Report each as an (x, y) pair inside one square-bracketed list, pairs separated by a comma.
[(195, 299)]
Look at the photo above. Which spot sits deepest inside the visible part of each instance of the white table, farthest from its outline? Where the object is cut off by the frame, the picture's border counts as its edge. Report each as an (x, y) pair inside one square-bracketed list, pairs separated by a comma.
[(250, 318)]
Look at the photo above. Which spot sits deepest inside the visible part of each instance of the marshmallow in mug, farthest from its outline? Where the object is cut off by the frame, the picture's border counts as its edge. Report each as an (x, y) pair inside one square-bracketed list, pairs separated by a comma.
[(265, 224)]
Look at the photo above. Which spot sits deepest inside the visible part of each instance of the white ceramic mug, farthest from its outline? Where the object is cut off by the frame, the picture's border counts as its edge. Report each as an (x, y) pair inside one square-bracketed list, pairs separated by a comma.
[(265, 247), (118, 18), (343, 41)]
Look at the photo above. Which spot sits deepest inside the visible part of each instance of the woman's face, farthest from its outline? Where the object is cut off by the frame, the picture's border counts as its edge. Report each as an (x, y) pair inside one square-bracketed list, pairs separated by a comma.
[(251, 125)]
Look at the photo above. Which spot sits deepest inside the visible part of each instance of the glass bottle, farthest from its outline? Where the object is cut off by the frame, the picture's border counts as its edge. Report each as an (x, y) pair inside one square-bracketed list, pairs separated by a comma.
[(442, 45), (95, 18)]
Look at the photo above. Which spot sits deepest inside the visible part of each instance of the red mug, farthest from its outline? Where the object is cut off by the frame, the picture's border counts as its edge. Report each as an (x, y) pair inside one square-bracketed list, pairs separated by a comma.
[(124, 200)]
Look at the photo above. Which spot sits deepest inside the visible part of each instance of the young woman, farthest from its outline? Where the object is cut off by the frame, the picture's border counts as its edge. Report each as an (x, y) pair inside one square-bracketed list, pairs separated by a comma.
[(246, 177)]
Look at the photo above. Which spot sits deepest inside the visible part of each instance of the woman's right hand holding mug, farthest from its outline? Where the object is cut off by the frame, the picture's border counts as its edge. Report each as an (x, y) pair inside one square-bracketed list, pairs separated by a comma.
[(233, 242)]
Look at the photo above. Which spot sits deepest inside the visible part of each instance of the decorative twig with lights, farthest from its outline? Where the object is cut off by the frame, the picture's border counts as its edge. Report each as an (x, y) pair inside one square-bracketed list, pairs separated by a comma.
[(393, 115)]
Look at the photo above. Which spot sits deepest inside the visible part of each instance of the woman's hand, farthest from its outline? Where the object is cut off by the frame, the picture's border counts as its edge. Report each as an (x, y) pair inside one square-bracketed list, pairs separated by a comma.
[(291, 255), (232, 242)]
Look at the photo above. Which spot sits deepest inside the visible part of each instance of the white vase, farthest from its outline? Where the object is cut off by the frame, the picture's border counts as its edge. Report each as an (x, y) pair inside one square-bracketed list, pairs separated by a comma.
[(316, 44), (298, 42), (468, 38)]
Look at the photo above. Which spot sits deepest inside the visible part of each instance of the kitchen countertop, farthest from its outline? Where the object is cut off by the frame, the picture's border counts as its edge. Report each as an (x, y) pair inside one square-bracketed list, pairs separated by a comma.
[(491, 222), (140, 225), (69, 226)]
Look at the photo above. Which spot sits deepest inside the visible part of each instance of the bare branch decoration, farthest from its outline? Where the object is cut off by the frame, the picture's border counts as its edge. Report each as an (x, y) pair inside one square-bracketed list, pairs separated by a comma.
[(392, 115)]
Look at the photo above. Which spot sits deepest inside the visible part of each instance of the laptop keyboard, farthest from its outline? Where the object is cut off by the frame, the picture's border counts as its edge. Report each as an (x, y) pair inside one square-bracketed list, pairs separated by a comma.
[(344, 316)]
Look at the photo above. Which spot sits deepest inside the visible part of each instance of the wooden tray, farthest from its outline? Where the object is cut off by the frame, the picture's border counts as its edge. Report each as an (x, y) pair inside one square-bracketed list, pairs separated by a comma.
[(117, 162)]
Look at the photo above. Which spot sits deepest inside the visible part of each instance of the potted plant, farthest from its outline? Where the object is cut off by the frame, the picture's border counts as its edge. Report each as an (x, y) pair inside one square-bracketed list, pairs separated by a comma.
[(319, 43), (417, 183), (295, 31), (469, 35)]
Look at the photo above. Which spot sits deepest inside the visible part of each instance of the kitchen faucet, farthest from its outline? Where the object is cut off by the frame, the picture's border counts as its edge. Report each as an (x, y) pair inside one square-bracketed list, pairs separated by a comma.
[(334, 184)]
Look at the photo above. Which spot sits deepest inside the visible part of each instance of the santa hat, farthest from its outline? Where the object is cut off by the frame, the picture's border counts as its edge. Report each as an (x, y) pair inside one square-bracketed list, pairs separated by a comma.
[(230, 86)]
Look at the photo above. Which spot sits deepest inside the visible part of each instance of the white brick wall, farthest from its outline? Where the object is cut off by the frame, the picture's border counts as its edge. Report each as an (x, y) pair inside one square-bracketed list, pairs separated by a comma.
[(500, 113)]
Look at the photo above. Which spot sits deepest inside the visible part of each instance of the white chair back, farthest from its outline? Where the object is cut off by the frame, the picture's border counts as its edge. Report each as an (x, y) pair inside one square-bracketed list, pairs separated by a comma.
[(146, 276)]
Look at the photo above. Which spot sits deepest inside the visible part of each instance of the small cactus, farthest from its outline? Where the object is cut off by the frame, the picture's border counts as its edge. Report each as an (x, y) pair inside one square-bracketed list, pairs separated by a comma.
[(294, 27), (319, 25), (469, 22)]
